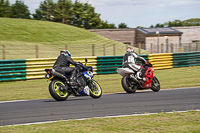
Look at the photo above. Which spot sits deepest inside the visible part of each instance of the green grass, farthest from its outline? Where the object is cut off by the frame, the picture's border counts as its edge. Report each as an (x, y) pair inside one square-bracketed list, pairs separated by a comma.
[(187, 122), (20, 36), (38, 89)]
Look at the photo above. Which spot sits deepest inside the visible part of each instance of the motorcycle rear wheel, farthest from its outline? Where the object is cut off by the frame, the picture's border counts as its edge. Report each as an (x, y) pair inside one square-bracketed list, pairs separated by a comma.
[(155, 84), (56, 92), (127, 85), (95, 90)]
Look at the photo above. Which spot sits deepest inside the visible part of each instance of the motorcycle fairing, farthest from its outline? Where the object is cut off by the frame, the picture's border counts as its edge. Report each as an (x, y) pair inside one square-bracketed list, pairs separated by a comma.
[(149, 77), (124, 71)]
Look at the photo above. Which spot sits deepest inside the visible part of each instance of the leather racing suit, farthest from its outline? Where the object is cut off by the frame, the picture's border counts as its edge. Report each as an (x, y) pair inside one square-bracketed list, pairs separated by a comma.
[(62, 65), (129, 60)]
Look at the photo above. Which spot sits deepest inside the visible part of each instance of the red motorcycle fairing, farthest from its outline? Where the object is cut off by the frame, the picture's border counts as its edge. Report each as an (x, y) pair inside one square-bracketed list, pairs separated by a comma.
[(149, 77)]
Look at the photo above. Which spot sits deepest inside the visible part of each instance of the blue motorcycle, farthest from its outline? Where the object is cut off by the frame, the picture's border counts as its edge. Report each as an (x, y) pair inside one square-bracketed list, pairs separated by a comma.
[(86, 84)]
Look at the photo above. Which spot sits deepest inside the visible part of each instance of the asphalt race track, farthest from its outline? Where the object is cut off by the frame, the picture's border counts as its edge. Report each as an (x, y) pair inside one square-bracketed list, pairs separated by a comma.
[(108, 105)]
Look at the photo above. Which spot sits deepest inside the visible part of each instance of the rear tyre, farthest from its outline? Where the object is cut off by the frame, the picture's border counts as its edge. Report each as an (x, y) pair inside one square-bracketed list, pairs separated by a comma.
[(127, 86), (155, 84), (56, 91), (95, 90)]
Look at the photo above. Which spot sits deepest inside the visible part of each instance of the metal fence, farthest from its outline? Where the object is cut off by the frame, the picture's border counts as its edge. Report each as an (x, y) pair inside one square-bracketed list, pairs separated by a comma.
[(49, 51), (173, 48)]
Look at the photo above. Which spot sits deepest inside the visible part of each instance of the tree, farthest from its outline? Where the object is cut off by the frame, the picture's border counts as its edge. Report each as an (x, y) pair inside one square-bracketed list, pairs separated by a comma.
[(159, 25), (78, 14), (140, 27), (4, 8), (151, 26), (84, 16), (19, 10), (192, 22), (176, 23), (63, 11), (45, 11), (38, 15), (122, 25), (91, 19), (111, 26)]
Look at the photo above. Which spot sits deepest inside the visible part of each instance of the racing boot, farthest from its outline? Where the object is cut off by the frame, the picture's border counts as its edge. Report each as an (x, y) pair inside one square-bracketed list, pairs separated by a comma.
[(72, 80), (140, 73)]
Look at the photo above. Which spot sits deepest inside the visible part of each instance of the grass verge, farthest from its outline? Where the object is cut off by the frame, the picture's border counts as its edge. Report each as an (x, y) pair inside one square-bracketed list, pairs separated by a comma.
[(20, 37), (185, 122), (38, 89)]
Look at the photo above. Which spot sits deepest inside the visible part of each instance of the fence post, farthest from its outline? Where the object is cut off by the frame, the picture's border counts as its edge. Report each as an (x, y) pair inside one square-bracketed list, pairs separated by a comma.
[(180, 48), (172, 48), (190, 47), (104, 49), (66, 47), (4, 52), (198, 45), (151, 48), (167, 47), (139, 48), (93, 50), (162, 48), (37, 51), (158, 47), (114, 49)]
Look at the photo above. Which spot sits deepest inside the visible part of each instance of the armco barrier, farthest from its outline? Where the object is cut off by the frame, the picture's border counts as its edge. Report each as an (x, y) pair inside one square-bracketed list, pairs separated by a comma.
[(12, 70), (186, 59), (34, 68), (161, 61)]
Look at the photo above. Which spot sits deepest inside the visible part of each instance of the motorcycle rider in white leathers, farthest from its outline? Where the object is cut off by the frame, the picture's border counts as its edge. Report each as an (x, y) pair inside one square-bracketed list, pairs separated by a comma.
[(129, 60)]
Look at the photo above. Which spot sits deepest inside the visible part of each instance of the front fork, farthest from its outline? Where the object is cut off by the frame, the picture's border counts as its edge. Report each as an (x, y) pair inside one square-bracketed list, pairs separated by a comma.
[(91, 84)]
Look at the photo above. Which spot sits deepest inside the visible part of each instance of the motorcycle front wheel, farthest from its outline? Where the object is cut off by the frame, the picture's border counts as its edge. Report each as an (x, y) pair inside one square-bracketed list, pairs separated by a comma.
[(127, 86), (155, 84), (56, 91), (95, 90)]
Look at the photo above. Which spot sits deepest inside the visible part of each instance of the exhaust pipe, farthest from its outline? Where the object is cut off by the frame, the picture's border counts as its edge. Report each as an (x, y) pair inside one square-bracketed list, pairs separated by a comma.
[(133, 77), (58, 74)]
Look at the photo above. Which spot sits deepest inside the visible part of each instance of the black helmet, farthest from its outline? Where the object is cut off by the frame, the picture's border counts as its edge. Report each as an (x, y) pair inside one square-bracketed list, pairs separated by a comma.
[(65, 52)]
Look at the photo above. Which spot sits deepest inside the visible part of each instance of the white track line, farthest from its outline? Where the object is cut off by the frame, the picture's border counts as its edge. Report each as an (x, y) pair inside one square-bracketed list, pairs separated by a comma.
[(95, 118), (13, 101)]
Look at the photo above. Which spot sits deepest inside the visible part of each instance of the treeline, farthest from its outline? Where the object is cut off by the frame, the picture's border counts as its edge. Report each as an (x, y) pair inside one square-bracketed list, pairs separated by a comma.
[(78, 14), (17, 10), (177, 23)]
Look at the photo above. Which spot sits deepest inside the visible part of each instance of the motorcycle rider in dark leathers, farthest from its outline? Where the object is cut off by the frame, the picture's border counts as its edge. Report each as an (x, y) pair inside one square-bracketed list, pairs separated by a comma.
[(62, 65), (129, 60)]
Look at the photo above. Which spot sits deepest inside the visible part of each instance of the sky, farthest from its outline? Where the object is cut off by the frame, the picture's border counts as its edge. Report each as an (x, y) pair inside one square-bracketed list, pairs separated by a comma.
[(137, 12)]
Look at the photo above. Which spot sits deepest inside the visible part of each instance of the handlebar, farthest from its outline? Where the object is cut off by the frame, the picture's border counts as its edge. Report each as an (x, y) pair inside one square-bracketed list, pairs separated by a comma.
[(81, 66)]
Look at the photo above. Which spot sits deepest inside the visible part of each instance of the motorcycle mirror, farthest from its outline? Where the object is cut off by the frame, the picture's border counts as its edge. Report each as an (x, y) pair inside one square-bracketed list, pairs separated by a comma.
[(85, 61)]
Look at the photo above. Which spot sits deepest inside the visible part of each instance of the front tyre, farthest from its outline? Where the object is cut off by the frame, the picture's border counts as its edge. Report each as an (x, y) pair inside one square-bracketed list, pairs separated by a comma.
[(56, 91), (155, 84), (95, 90), (127, 86)]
